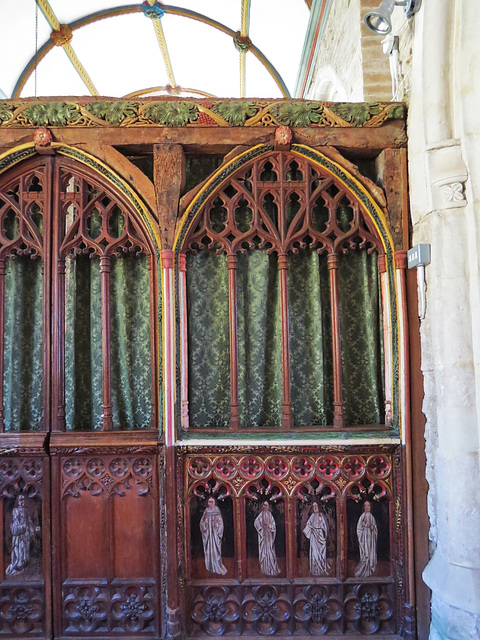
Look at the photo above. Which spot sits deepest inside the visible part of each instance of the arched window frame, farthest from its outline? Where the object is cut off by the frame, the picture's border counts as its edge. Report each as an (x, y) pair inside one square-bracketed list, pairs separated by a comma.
[(53, 364), (375, 232)]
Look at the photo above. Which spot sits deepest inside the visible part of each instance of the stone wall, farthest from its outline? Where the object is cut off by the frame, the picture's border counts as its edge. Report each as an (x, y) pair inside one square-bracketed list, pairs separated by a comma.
[(444, 135), (338, 68)]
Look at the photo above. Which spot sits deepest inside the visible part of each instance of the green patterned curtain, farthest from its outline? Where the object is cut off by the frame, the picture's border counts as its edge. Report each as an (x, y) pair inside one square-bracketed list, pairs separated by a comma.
[(83, 344), (310, 335), (131, 357), (23, 352), (361, 338), (259, 340), (209, 344)]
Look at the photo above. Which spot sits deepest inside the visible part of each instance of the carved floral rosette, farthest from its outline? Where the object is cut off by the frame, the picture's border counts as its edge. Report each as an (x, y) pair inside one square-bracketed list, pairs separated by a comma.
[(121, 609)]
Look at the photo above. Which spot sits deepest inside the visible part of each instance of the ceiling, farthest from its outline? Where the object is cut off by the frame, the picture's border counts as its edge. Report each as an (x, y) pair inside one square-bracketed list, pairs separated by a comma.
[(182, 49)]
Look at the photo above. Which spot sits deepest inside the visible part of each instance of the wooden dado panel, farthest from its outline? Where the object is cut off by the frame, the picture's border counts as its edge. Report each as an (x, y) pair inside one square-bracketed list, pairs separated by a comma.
[(273, 541), (25, 606), (105, 522)]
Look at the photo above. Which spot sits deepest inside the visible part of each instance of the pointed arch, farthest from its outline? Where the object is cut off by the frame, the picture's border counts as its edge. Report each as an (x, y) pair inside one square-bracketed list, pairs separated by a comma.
[(288, 203), (88, 211)]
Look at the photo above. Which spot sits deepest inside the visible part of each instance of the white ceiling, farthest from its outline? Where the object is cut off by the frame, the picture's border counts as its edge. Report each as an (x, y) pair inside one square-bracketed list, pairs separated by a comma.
[(121, 54)]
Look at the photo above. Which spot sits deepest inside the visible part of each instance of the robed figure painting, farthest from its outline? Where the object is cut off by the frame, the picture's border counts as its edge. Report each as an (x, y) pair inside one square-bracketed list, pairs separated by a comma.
[(211, 526), (367, 533), (266, 529), (22, 530), (316, 531)]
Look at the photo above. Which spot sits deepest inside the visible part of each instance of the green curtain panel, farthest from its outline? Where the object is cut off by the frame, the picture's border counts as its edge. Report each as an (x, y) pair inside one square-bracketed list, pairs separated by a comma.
[(259, 340), (23, 375), (83, 344), (310, 336), (131, 357), (361, 338), (208, 335)]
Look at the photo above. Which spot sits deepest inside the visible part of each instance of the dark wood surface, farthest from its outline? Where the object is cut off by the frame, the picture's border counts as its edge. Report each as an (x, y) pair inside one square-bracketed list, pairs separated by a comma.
[(121, 561)]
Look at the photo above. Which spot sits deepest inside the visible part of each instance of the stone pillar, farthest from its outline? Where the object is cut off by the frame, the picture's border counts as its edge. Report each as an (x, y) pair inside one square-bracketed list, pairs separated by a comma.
[(444, 130)]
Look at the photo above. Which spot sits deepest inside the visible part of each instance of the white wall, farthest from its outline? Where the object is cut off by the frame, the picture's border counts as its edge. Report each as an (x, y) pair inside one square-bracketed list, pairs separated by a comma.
[(444, 144)]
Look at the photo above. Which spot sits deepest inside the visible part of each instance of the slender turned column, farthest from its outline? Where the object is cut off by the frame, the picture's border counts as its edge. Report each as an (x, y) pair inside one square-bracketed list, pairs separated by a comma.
[(232, 303), (59, 337), (338, 416), (168, 346), (286, 402), (387, 338), (173, 564), (401, 267), (184, 340), (105, 265), (2, 345)]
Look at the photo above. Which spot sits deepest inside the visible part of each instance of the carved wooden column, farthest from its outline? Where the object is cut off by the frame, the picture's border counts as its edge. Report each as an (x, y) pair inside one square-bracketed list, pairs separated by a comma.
[(173, 623), (58, 366), (338, 415), (182, 280), (286, 401), (387, 338), (169, 177), (105, 266), (168, 346), (2, 349), (401, 267), (232, 302)]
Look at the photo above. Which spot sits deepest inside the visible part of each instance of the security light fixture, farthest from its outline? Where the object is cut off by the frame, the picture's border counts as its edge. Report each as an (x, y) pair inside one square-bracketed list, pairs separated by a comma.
[(379, 21)]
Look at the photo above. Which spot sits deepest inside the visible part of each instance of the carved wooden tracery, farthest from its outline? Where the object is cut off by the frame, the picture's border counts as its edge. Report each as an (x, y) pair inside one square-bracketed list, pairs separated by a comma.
[(91, 221), (294, 602), (283, 204), (24, 232), (85, 217)]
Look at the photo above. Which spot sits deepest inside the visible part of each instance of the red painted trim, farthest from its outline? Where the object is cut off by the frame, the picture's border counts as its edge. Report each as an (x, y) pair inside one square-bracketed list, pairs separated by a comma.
[(314, 45), (167, 258)]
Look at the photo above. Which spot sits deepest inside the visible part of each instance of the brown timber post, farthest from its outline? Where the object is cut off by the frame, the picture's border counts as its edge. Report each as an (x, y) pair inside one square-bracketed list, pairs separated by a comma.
[(286, 401), (232, 303), (169, 178), (406, 437), (338, 415), (2, 349), (105, 266)]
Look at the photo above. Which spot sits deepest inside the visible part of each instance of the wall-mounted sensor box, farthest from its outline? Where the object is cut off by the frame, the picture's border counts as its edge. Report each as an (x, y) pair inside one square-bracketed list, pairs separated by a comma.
[(419, 254)]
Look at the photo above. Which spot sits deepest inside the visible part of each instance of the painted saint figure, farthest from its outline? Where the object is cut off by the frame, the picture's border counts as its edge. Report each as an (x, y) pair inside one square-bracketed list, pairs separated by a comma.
[(316, 530), (266, 529), (367, 533), (211, 526), (23, 530)]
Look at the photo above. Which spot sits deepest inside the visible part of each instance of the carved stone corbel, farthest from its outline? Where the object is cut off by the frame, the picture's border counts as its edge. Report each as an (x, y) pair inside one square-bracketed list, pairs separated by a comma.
[(448, 175)]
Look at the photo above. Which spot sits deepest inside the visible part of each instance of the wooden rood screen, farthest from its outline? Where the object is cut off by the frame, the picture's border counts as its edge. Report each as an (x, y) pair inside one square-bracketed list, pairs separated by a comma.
[(203, 389)]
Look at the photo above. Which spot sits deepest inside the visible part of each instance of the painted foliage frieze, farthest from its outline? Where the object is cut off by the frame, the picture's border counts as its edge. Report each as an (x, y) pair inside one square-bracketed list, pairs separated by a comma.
[(181, 113), (290, 543)]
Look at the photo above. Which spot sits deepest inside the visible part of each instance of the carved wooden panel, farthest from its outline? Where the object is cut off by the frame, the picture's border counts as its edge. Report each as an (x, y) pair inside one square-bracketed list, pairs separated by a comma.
[(107, 560), (25, 531), (285, 542)]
